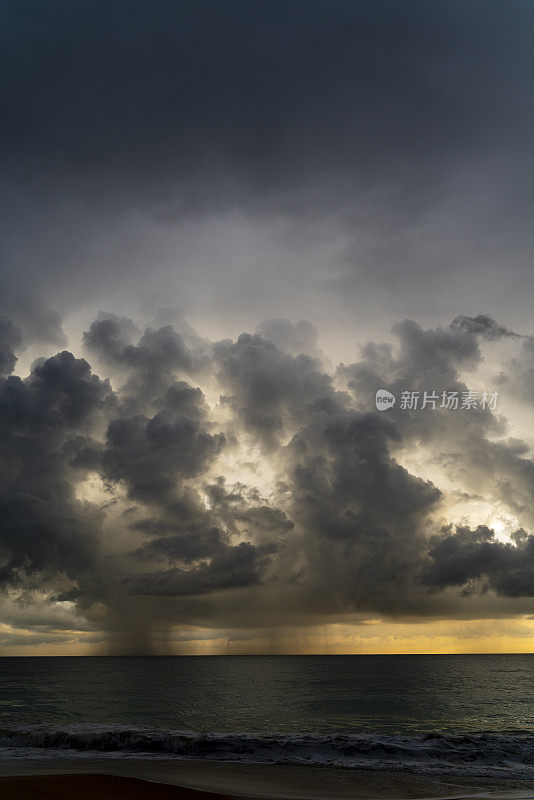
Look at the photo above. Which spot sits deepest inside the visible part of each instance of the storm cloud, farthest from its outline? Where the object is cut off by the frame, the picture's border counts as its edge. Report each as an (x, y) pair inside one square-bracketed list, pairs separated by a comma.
[(465, 557), (46, 421), (341, 159), (345, 527), (236, 223)]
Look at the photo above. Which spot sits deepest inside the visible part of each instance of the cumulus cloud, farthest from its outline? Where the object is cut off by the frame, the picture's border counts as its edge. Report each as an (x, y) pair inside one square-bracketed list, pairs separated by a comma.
[(266, 387), (345, 527), (363, 515), (148, 455), (475, 560), (469, 443), (147, 364), (47, 532)]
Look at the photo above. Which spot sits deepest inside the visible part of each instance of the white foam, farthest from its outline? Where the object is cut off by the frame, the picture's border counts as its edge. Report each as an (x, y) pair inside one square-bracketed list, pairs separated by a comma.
[(482, 754)]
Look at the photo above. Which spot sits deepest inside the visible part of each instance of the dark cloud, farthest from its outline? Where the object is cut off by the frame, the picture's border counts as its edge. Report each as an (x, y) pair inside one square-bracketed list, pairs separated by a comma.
[(37, 542), (46, 531), (181, 398), (158, 351), (150, 364), (237, 89), (10, 339), (484, 325), (400, 152), (180, 543), (150, 455), (110, 337), (229, 567), (211, 547), (476, 560), (429, 361), (265, 387), (469, 443), (424, 360), (364, 516), (245, 512)]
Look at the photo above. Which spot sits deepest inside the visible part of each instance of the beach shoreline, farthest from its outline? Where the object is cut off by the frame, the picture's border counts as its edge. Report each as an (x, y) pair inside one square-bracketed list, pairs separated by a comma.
[(95, 785), (63, 779)]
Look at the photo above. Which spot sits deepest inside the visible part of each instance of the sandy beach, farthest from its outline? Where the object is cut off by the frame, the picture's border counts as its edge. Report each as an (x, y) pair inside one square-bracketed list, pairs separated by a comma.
[(165, 780), (89, 787)]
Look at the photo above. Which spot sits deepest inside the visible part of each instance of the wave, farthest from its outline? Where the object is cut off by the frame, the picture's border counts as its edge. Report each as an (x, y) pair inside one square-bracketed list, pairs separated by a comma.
[(476, 754)]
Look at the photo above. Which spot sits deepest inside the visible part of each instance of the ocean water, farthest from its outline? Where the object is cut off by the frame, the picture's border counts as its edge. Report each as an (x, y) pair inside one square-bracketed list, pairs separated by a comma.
[(465, 713)]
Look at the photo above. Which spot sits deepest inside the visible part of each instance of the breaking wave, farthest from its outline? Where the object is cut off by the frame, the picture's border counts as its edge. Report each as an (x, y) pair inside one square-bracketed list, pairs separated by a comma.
[(477, 754)]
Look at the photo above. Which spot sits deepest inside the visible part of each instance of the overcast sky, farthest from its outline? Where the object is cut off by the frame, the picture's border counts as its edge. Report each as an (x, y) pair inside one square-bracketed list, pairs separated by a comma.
[(223, 227)]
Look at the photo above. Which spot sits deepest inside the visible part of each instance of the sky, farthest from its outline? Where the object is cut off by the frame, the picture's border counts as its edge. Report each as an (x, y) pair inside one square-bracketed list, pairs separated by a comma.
[(224, 227)]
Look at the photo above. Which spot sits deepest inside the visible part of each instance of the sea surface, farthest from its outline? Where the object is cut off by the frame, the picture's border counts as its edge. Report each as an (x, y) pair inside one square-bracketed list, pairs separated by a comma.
[(468, 714)]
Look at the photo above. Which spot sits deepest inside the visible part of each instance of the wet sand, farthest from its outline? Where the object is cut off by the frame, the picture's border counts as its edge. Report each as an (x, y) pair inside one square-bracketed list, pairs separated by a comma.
[(111, 779), (95, 787)]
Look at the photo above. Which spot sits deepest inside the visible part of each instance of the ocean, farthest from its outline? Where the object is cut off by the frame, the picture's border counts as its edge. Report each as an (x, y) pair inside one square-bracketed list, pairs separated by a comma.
[(470, 714)]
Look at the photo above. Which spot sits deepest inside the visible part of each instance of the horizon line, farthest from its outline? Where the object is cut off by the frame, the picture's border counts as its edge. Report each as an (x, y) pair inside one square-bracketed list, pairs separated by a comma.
[(264, 655)]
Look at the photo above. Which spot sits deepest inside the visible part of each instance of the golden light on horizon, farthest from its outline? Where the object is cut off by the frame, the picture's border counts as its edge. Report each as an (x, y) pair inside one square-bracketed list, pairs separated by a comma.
[(375, 637)]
